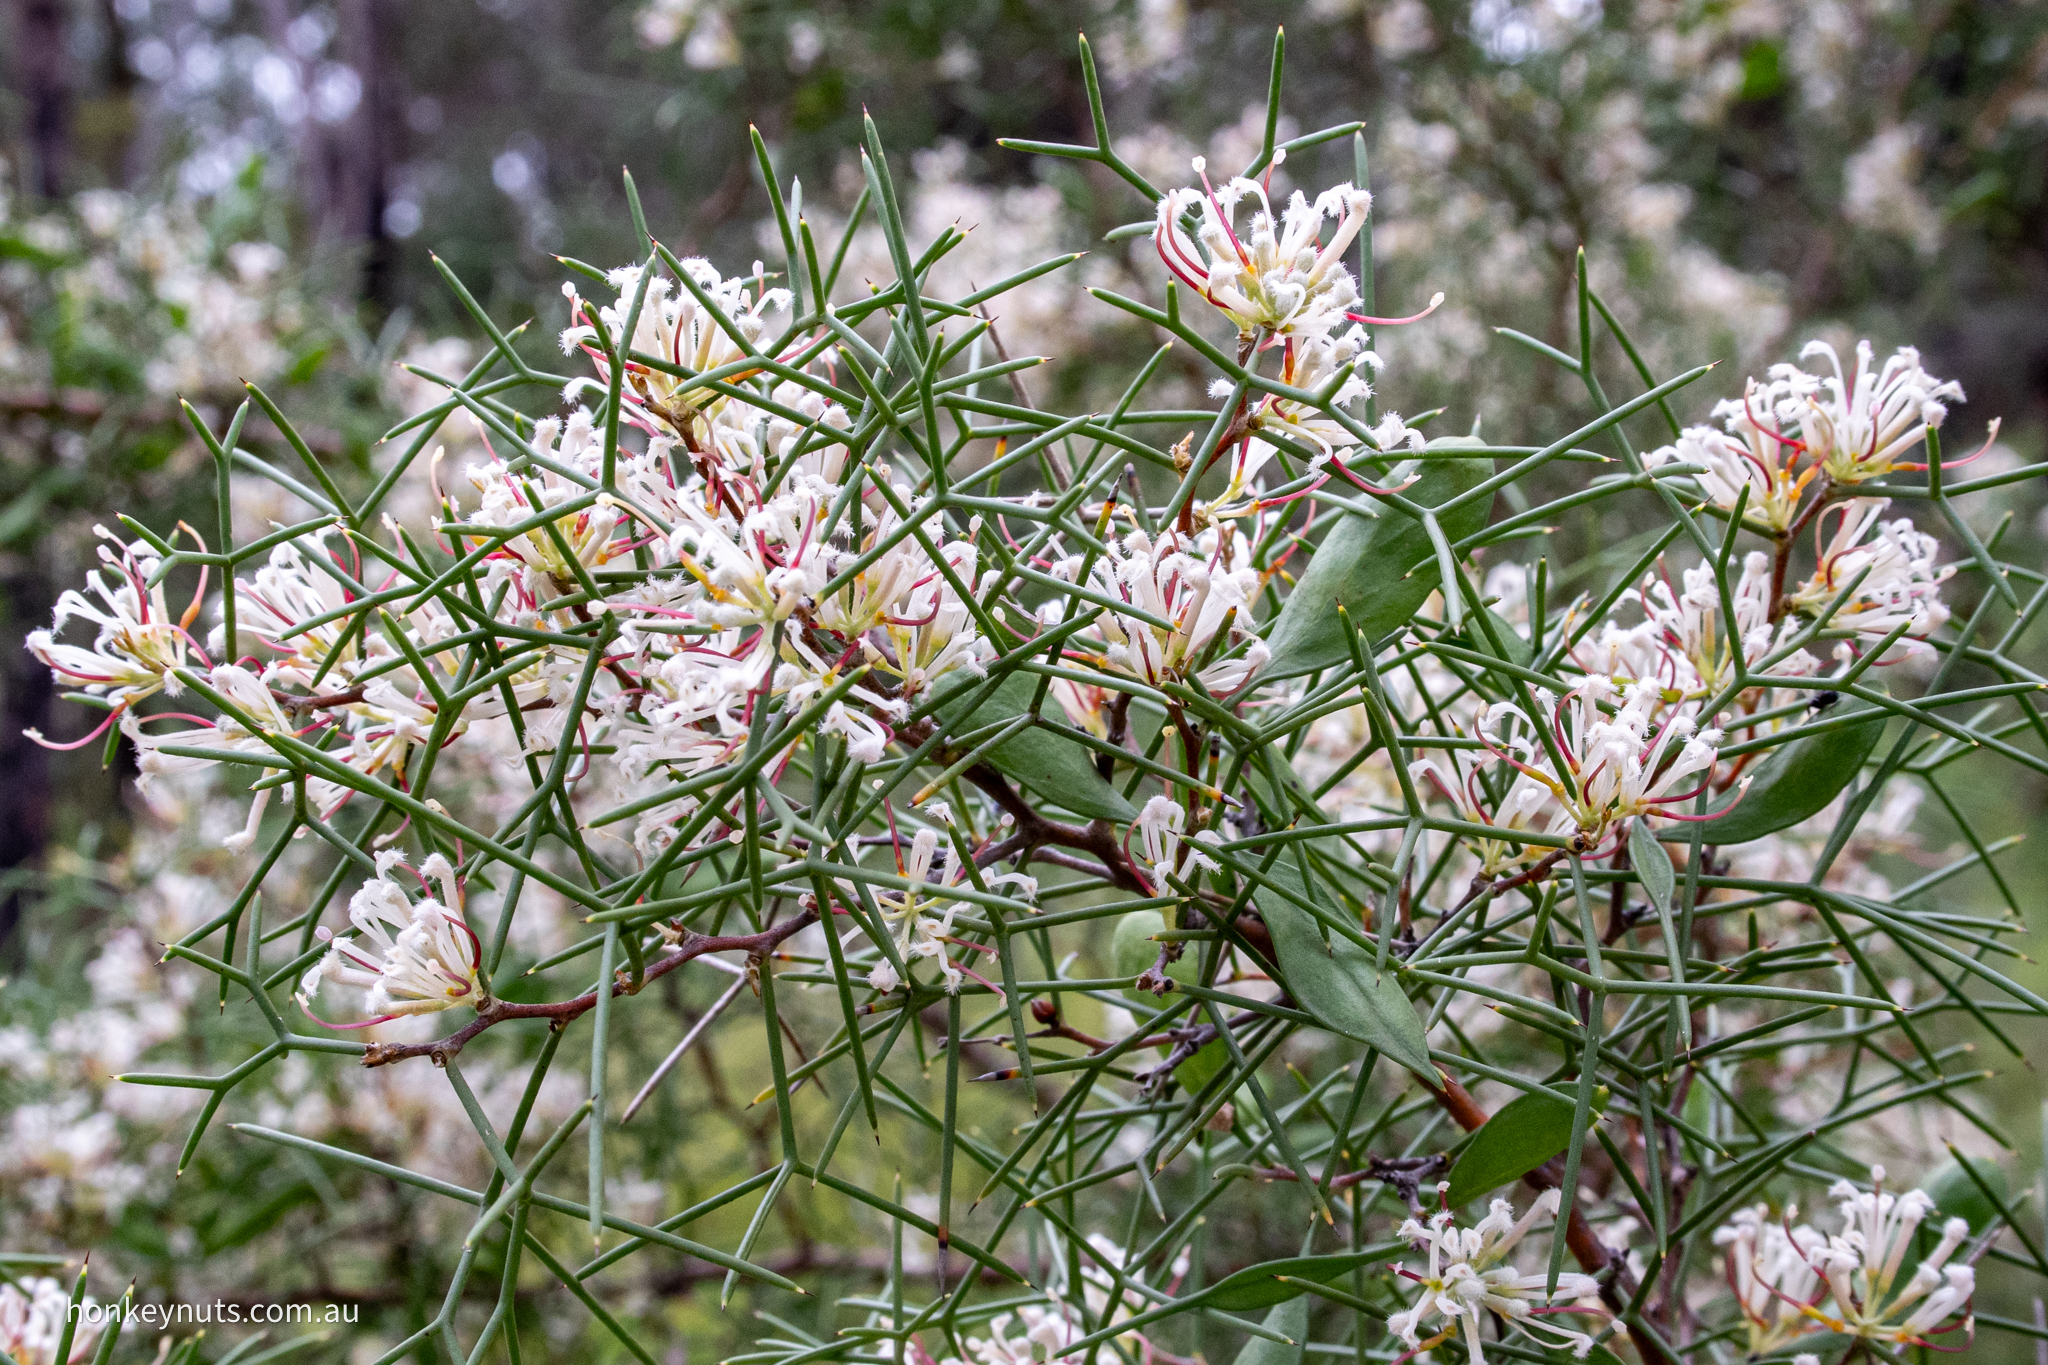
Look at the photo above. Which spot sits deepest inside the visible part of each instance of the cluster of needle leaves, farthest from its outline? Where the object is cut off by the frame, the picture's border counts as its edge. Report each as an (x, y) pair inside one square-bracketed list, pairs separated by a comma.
[(1302, 1066)]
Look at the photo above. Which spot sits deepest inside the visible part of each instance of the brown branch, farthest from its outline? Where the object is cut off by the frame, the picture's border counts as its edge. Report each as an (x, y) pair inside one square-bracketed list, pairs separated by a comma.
[(1404, 1173), (1781, 556), (1033, 830), (1536, 872), (564, 1012), (320, 702)]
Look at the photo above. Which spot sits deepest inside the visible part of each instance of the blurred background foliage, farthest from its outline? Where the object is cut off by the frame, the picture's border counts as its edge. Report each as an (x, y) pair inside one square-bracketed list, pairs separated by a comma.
[(203, 192)]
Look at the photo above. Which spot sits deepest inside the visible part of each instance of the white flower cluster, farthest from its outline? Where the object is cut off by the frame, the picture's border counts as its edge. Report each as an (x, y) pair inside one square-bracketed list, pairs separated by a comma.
[(697, 600), (1585, 764), (1048, 1332), (147, 281), (1791, 1280), (139, 642), (1620, 743), (412, 957), (1468, 1277), (1279, 280), (919, 918), (32, 1318), (1282, 285), (1796, 427), (1191, 598)]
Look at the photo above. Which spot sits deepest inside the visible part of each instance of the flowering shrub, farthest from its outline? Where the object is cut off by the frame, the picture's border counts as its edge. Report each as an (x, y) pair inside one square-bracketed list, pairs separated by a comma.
[(1214, 786)]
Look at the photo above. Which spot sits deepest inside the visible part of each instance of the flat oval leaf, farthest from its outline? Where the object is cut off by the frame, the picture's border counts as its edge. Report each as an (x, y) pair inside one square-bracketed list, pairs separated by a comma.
[(1339, 982), (1652, 865), (1055, 768), (1360, 566), (1198, 1070), (1526, 1132), (1290, 1320), (1134, 949), (1260, 1286), (1798, 779)]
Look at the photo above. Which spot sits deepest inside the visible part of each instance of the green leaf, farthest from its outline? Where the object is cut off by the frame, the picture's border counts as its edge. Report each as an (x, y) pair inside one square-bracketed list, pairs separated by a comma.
[(1257, 1286), (1517, 647), (1057, 769), (1360, 566), (306, 366), (1290, 1320), (1652, 865), (1198, 1070), (1525, 1132), (1339, 982), (14, 247), (1955, 1195), (1798, 779)]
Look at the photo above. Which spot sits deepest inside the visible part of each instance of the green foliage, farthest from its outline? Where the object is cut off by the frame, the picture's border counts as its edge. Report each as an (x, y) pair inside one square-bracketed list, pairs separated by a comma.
[(1379, 567), (1337, 979), (1798, 778), (1524, 1133), (1048, 1168), (1047, 763)]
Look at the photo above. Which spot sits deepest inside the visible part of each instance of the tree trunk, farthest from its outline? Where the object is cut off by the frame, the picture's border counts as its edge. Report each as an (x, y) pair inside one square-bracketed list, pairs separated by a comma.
[(43, 75)]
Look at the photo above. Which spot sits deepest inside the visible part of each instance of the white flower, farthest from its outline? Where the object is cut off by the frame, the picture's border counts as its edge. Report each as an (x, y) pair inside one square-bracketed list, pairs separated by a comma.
[(1278, 279), (1165, 852), (1771, 1268), (284, 595), (1684, 646), (512, 497), (909, 619), (32, 1323), (919, 918), (756, 565), (1795, 426), (411, 957), (1861, 1265), (1192, 592), (1902, 585), (1614, 767), (866, 737), (1047, 1333), (1088, 706), (1457, 776), (1393, 433), (1312, 363), (1465, 1279), (1750, 454), (674, 327), (139, 642), (1857, 425)]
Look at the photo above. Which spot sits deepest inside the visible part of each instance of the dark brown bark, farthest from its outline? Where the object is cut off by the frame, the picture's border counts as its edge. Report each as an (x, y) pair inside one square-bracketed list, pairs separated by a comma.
[(42, 73), (26, 697)]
